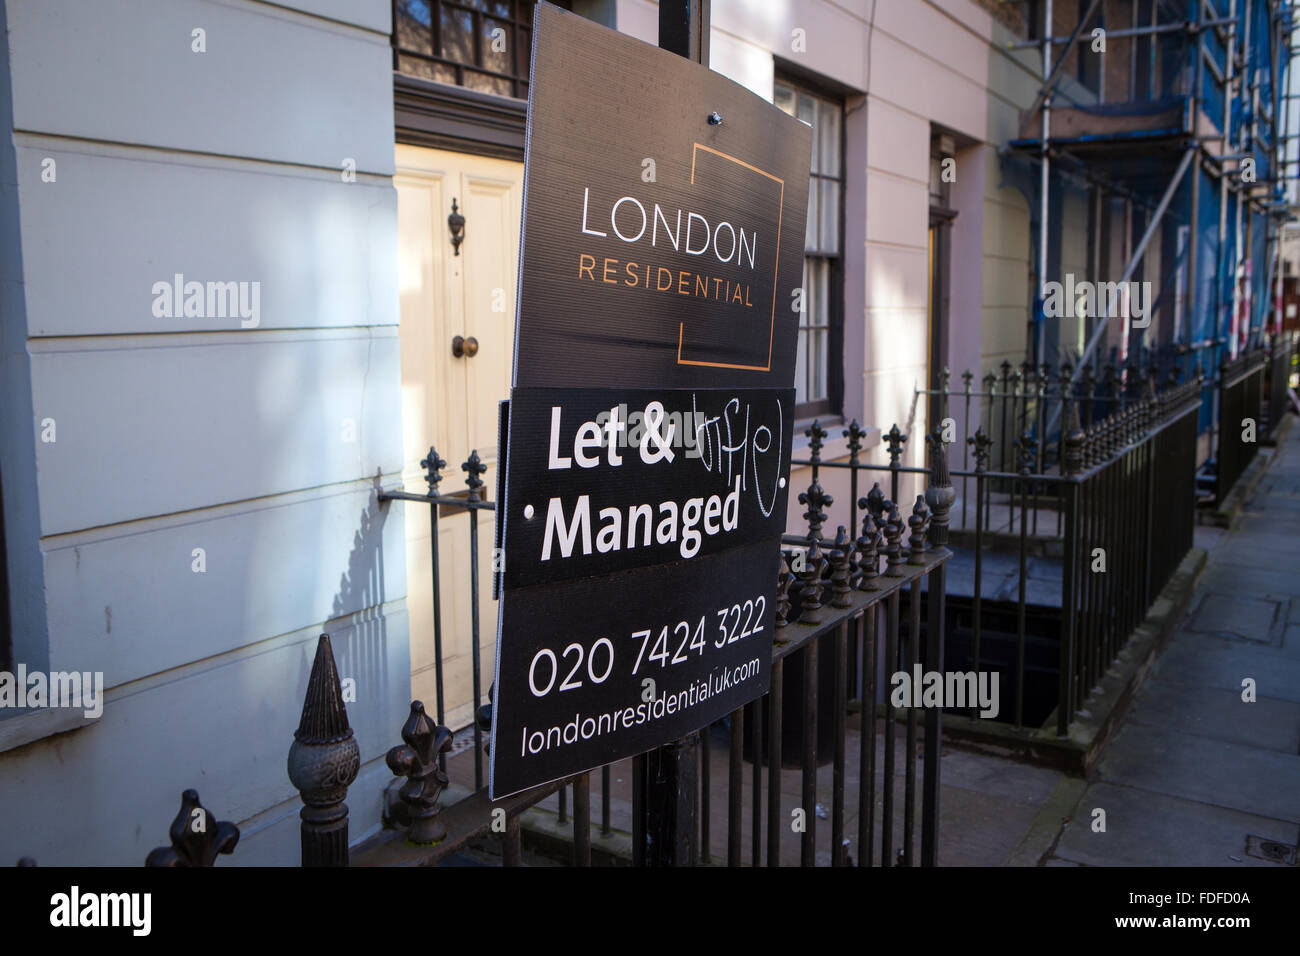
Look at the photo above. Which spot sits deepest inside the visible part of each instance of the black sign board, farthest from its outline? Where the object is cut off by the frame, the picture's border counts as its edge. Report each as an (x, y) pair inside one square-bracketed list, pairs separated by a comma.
[(601, 668), (628, 478), (649, 427), (660, 250)]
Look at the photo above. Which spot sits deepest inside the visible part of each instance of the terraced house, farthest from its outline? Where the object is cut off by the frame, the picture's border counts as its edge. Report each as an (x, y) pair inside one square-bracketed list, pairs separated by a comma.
[(260, 261)]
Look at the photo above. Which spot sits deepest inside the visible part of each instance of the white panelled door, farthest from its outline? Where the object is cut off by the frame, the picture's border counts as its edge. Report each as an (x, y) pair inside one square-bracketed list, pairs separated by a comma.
[(450, 401)]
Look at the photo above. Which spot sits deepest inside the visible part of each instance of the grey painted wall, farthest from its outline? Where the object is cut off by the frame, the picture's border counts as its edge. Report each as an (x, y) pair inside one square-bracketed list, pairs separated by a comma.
[(261, 444)]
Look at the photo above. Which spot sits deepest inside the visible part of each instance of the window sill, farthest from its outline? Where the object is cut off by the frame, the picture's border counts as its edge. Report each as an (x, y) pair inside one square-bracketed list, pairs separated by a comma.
[(22, 729)]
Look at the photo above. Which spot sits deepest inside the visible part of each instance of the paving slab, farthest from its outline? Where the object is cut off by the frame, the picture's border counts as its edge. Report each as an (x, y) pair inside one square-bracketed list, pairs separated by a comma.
[(1267, 552), (1046, 569), (1010, 781), (1211, 661), (1246, 616), (1238, 579), (996, 569), (978, 828), (1249, 779), (1152, 829), (1269, 723)]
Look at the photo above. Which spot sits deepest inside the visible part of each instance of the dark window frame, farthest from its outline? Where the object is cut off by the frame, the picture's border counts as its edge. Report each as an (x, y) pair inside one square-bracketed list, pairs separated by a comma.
[(1090, 67), (520, 26), (832, 403), (938, 311)]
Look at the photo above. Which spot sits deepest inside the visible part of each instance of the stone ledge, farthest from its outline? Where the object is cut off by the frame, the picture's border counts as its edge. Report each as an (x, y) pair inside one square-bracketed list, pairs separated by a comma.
[(23, 729), (1040, 839), (1224, 514), (542, 831)]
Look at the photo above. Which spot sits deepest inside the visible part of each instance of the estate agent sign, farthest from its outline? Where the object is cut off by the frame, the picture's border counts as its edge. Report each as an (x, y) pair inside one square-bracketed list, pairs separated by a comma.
[(649, 428)]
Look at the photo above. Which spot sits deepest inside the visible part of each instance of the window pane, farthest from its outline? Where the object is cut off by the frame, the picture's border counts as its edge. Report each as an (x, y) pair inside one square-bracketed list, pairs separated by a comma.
[(816, 333), (830, 217), (817, 365), (457, 35), (413, 66), (488, 84), (823, 292), (807, 111), (783, 97), (504, 24), (814, 224), (829, 137), (807, 316), (414, 26), (815, 289), (801, 371), (823, 240), (496, 49)]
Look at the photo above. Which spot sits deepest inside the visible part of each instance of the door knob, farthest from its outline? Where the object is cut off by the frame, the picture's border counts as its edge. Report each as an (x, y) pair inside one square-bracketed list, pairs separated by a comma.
[(462, 347)]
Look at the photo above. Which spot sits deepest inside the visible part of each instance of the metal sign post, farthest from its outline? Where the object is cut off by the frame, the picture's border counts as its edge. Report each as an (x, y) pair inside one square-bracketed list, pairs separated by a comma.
[(667, 779)]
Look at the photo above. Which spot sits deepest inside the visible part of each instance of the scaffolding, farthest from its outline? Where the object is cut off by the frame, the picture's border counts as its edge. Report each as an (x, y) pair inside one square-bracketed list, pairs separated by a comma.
[(1170, 117)]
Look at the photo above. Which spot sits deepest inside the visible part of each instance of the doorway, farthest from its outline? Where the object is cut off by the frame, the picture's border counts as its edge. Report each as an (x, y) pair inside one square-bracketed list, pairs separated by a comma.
[(462, 295)]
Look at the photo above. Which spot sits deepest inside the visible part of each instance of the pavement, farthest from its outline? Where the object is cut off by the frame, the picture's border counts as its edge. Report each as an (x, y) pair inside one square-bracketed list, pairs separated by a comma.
[(1199, 773)]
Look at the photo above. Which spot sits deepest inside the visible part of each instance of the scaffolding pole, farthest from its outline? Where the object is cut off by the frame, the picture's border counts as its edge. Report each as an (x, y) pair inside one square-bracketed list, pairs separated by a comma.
[(1051, 76), (1229, 74), (1045, 182), (1240, 69), (1137, 255)]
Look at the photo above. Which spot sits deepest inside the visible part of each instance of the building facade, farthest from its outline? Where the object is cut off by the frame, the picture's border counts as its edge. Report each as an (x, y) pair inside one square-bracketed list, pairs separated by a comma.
[(236, 308)]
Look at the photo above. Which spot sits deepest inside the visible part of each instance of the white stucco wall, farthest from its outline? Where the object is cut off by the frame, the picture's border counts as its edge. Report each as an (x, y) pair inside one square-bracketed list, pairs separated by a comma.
[(261, 445)]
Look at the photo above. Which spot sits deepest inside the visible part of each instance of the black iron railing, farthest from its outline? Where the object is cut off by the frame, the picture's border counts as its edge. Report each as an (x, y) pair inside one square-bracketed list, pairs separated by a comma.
[(846, 593), (1241, 405), (1282, 353), (1129, 498), (872, 602), (1115, 496), (1010, 400), (471, 503)]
